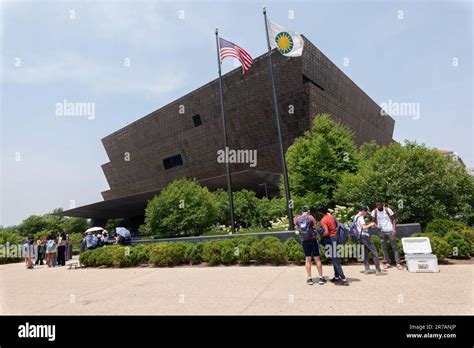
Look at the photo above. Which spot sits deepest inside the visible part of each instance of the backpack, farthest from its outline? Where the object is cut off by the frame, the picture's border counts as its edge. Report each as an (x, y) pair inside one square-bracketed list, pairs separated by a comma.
[(342, 233), (353, 232), (50, 245), (305, 227)]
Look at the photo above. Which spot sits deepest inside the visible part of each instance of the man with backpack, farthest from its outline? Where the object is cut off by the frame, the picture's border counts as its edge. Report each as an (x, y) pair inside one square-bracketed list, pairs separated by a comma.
[(306, 223), (329, 237), (369, 246), (386, 221)]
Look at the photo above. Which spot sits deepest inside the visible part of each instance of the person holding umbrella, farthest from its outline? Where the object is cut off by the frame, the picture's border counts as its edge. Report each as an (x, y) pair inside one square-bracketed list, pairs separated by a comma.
[(123, 236)]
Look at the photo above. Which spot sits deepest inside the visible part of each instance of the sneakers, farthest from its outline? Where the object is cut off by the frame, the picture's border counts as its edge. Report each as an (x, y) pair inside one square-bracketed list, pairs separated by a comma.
[(386, 265), (344, 282), (339, 281), (310, 281), (379, 273), (400, 267), (367, 271), (322, 281)]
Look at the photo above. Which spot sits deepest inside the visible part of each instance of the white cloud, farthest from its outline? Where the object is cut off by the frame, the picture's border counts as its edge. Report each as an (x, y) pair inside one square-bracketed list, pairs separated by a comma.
[(98, 77)]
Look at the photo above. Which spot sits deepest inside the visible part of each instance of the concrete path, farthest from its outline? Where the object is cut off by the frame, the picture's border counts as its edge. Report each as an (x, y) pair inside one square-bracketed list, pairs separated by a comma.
[(231, 290)]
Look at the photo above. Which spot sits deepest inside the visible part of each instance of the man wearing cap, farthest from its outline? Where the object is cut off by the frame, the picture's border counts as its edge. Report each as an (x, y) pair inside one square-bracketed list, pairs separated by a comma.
[(369, 246), (305, 223)]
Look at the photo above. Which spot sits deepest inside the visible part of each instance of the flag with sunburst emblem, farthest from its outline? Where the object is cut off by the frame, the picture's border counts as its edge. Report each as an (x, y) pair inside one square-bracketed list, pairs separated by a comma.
[(288, 42)]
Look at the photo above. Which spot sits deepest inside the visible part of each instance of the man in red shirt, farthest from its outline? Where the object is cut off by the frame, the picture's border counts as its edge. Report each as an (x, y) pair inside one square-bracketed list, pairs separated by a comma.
[(329, 238)]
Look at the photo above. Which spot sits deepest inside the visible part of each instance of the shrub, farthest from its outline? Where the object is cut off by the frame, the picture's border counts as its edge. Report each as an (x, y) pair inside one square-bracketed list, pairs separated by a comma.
[(163, 255), (217, 252), (294, 250), (244, 248), (120, 257), (229, 252), (468, 234), (193, 253), (85, 259), (439, 246), (244, 253), (443, 226), (460, 245), (179, 250), (211, 252), (268, 250), (470, 219), (247, 240), (99, 257), (131, 256)]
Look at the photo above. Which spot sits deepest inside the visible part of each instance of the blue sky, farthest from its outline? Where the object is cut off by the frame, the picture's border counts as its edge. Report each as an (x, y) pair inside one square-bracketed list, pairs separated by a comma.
[(403, 51)]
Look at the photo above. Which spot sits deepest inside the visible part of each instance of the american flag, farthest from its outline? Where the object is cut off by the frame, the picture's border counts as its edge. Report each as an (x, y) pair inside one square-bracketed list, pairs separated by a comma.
[(228, 49)]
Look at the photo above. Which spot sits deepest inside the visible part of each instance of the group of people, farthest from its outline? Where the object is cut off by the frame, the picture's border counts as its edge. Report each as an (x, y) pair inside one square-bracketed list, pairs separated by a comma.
[(94, 240), (98, 239), (52, 250), (311, 236)]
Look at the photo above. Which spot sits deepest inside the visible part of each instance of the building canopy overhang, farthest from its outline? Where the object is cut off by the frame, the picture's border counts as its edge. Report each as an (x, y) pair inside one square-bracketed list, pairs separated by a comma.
[(134, 205)]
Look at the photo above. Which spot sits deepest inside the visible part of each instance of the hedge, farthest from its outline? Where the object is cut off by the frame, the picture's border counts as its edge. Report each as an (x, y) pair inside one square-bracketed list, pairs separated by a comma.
[(249, 249), (268, 250)]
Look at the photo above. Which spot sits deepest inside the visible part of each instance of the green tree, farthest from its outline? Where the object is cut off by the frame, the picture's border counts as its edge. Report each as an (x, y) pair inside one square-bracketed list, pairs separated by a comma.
[(184, 207), (245, 208), (417, 181), (249, 210), (317, 160), (73, 225), (269, 210), (367, 150), (35, 223), (222, 200)]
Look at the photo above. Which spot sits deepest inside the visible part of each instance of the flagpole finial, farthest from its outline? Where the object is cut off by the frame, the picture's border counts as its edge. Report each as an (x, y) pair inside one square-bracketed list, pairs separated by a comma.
[(264, 9), (217, 30)]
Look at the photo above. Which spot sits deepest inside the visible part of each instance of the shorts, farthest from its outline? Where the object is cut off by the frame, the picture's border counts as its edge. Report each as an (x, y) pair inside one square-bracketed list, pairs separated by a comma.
[(310, 247)]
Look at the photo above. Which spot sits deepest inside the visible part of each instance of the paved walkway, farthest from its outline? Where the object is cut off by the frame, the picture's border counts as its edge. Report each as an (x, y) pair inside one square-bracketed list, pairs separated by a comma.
[(231, 290)]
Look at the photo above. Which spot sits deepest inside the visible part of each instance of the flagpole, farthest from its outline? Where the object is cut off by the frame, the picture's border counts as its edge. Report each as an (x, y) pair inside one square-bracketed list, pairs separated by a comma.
[(227, 166), (278, 122)]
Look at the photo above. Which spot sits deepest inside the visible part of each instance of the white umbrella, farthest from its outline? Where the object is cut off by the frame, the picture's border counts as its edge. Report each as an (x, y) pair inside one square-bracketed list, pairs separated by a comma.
[(122, 231), (94, 229)]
